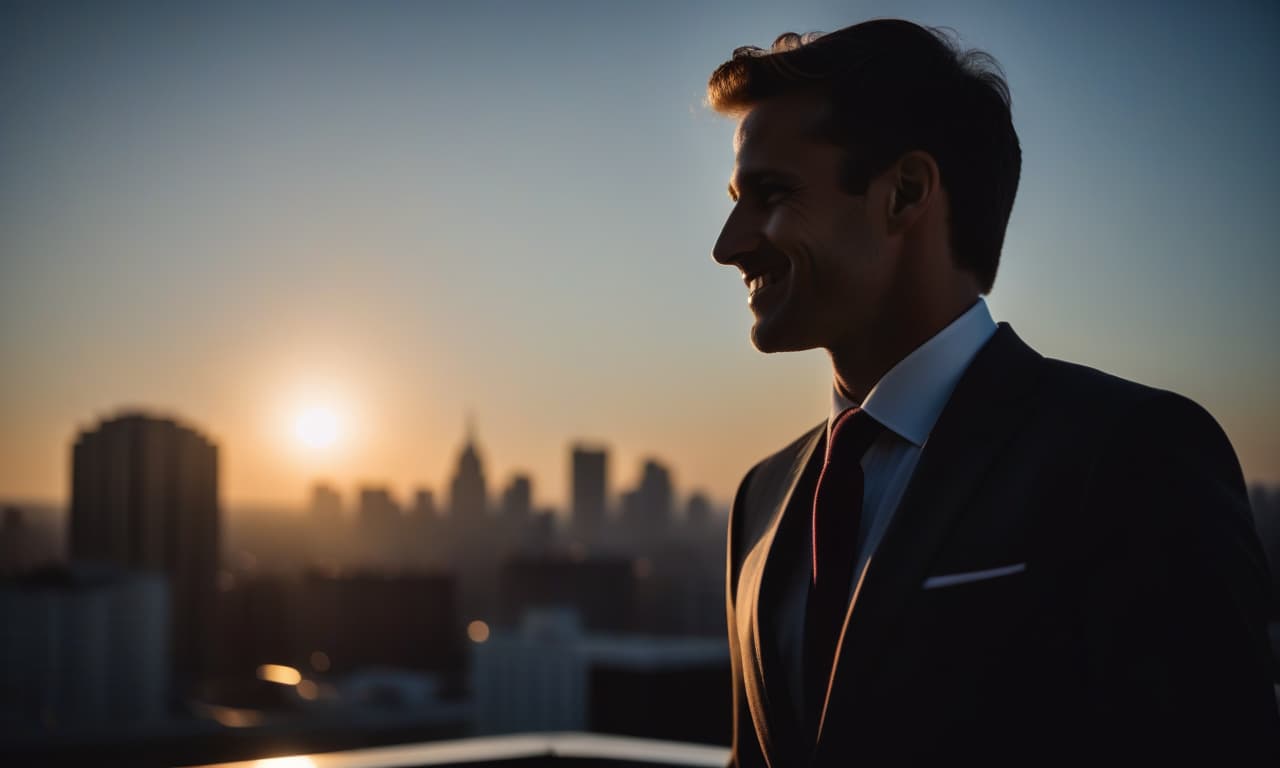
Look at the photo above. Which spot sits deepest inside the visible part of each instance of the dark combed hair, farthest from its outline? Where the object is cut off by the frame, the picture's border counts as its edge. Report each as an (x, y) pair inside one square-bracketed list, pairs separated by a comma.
[(893, 87)]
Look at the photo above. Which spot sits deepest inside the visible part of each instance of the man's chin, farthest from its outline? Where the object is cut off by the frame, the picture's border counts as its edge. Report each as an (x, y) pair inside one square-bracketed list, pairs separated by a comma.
[(771, 337)]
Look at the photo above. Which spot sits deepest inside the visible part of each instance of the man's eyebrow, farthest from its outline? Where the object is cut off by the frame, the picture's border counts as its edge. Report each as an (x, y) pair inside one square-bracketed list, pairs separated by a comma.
[(752, 179)]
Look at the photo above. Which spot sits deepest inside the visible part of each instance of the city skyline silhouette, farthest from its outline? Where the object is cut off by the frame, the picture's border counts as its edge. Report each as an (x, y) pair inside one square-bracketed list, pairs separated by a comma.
[(152, 610)]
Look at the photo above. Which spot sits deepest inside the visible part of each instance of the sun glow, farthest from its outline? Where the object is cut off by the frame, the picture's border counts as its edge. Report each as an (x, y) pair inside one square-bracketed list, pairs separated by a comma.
[(316, 427), (295, 761)]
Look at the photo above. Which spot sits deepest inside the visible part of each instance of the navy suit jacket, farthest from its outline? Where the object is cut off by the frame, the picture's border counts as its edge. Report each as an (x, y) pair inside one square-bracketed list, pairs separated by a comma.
[(1135, 632)]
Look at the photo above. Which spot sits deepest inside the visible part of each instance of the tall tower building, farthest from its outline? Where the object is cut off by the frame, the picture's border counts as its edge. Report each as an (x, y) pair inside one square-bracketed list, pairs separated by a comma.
[(144, 494), (590, 486), (325, 535), (468, 497)]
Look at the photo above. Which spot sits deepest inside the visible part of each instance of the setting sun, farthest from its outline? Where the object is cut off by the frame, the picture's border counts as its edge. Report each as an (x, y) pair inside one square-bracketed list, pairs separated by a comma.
[(316, 427)]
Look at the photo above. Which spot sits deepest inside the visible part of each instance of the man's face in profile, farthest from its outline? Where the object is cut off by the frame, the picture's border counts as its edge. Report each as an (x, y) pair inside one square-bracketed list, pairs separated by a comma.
[(810, 252)]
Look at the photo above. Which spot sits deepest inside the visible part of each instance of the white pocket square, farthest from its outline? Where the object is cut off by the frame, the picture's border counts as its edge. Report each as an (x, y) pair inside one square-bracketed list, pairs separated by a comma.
[(952, 579)]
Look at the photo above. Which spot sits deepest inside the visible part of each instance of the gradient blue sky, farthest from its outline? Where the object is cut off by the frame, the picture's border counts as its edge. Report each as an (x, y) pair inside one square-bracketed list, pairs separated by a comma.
[(411, 210)]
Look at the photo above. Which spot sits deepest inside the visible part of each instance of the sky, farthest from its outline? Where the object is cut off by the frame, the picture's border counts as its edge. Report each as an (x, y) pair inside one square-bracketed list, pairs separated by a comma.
[(406, 213)]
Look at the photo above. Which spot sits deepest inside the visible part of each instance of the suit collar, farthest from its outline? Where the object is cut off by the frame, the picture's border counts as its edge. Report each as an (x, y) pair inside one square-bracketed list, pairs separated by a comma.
[(909, 397), (767, 565), (982, 413)]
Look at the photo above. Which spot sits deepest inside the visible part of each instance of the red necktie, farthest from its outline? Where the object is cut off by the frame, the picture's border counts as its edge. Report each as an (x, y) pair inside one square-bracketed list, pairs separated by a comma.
[(837, 516)]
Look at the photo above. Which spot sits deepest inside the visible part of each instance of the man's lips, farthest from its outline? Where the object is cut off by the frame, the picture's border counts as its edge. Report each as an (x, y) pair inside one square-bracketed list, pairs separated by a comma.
[(759, 281)]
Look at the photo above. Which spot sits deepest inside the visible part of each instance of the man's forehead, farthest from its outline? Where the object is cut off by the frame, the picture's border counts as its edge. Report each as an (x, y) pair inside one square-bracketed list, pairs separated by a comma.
[(782, 119)]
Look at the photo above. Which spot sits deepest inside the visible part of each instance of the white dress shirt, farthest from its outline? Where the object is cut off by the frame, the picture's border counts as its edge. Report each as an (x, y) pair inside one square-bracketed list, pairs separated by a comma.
[(907, 401)]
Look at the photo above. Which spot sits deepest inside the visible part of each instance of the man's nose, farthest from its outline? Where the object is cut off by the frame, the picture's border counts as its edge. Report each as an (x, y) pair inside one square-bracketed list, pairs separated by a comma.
[(737, 236)]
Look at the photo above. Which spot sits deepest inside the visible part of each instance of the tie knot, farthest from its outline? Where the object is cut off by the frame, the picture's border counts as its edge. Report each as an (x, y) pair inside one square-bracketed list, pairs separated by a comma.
[(852, 434)]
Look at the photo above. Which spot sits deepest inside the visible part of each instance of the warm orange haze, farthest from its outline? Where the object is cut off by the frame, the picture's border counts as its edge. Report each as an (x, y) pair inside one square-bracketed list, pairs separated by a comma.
[(317, 427), (278, 437)]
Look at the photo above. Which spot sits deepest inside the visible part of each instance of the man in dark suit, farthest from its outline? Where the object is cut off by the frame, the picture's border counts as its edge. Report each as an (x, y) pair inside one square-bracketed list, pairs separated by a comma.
[(983, 555)]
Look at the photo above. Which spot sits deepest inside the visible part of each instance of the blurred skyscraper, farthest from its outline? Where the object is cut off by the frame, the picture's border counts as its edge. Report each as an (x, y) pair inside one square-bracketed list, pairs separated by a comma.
[(379, 526), (553, 674), (83, 648), (13, 541), (378, 510), (647, 509), (590, 488), (424, 505), (697, 516), (325, 532), (326, 505), (600, 589), (473, 549), (517, 499), (468, 497), (144, 494)]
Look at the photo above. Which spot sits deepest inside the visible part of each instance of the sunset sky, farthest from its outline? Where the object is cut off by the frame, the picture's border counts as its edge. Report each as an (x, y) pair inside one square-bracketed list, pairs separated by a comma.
[(396, 214)]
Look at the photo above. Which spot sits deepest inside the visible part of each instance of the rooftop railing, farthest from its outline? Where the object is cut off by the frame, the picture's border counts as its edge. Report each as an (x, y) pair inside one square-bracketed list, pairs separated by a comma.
[(525, 750)]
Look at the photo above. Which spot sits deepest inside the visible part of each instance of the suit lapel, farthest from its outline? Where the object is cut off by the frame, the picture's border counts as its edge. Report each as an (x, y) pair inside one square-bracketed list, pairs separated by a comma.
[(981, 414), (765, 570)]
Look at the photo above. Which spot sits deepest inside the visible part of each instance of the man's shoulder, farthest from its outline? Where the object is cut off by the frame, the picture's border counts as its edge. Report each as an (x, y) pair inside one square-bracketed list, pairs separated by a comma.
[(1073, 388), (1084, 386), (1109, 398), (1134, 426)]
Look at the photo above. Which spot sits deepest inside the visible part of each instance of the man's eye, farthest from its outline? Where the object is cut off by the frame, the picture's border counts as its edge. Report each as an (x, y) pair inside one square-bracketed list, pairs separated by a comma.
[(772, 194)]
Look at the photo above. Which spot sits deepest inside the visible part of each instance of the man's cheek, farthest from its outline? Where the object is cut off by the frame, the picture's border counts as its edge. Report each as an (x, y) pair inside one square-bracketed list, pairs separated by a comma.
[(776, 228)]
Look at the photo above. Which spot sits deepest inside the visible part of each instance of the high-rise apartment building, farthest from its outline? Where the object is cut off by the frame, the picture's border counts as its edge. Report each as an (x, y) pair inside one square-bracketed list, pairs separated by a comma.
[(590, 488), (648, 507), (326, 504), (517, 499), (144, 494), (697, 516), (378, 509), (85, 647), (424, 506)]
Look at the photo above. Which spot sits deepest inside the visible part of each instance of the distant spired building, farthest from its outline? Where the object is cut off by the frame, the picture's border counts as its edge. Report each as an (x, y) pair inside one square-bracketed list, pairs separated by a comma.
[(468, 497), (470, 541), (144, 494)]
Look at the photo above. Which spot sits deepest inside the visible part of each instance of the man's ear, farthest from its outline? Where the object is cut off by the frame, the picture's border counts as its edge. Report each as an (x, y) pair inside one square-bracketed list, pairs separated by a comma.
[(915, 180)]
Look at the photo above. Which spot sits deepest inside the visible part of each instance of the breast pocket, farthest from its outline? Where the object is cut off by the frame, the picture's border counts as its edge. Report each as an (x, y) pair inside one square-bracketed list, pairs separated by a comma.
[(976, 613), (962, 648), (968, 577)]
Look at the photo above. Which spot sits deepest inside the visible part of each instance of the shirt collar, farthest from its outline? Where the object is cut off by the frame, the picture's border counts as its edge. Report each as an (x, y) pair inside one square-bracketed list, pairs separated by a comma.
[(910, 397)]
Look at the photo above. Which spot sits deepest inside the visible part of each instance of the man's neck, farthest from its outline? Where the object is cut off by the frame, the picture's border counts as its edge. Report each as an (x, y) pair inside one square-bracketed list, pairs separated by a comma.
[(857, 366)]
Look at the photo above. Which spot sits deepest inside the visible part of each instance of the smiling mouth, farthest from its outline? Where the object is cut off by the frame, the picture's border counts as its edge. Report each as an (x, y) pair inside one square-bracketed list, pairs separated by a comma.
[(761, 281)]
